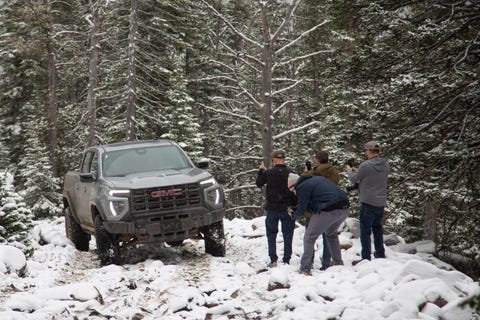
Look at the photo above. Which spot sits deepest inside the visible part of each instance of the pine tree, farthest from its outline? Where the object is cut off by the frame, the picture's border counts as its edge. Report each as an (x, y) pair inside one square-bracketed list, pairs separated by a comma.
[(180, 120), (37, 183), (15, 217)]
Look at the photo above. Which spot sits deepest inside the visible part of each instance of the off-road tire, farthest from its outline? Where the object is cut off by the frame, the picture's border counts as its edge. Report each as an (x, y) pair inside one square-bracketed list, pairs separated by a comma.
[(176, 243), (214, 237), (107, 245), (74, 231)]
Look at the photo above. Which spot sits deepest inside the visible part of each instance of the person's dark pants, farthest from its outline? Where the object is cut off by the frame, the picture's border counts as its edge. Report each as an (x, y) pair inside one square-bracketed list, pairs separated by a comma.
[(288, 225), (326, 255), (371, 221)]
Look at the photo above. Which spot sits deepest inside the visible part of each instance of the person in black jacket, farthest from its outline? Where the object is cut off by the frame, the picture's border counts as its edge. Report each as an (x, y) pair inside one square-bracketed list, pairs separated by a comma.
[(279, 198)]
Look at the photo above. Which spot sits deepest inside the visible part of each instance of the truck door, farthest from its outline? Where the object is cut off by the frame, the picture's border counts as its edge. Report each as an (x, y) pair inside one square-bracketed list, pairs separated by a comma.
[(86, 189)]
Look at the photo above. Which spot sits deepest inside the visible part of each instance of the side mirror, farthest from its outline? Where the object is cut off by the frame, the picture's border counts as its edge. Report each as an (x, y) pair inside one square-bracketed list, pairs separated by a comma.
[(87, 177), (203, 163)]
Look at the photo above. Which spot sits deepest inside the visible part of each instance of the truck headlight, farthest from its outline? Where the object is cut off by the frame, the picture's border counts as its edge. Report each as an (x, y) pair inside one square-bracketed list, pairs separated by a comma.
[(213, 193), (119, 201), (213, 196)]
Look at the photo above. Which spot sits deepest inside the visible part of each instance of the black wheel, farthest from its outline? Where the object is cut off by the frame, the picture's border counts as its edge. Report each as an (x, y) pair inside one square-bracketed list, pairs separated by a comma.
[(214, 239), (107, 245), (74, 231), (175, 243)]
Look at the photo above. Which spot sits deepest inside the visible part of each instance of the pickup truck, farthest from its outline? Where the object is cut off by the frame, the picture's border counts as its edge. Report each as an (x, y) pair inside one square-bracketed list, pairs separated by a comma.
[(142, 192)]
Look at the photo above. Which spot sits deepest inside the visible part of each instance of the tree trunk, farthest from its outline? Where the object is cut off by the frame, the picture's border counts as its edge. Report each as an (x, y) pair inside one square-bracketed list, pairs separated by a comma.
[(132, 86), (266, 94), (93, 74), (52, 101), (430, 222)]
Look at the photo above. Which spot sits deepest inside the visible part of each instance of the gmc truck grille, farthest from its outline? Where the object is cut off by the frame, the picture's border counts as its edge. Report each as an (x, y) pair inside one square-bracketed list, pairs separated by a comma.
[(165, 198)]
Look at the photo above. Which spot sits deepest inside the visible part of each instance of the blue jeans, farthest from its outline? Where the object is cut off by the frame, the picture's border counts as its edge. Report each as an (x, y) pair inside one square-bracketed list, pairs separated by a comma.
[(326, 255), (371, 220), (288, 225)]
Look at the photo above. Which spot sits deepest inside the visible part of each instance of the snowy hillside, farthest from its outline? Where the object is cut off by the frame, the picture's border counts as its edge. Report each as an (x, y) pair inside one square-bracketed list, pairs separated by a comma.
[(184, 283)]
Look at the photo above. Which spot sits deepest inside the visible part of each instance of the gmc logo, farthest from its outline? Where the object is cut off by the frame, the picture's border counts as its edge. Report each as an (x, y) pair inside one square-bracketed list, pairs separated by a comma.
[(166, 193)]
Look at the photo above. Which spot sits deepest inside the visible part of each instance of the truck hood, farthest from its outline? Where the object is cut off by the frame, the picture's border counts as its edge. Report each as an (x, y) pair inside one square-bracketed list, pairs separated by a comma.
[(159, 178)]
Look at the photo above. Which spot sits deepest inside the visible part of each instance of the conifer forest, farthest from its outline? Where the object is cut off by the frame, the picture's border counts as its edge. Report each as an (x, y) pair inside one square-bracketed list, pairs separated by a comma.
[(233, 80)]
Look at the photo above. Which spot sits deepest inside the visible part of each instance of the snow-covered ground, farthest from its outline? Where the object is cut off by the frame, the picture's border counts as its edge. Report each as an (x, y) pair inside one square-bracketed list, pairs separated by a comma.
[(184, 283)]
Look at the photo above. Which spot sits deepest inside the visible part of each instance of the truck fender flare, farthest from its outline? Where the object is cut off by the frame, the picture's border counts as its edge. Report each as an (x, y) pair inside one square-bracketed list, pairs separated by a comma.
[(97, 210), (66, 204)]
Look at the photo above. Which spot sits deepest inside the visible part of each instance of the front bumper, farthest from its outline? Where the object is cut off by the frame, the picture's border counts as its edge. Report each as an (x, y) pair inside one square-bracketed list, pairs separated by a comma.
[(165, 227)]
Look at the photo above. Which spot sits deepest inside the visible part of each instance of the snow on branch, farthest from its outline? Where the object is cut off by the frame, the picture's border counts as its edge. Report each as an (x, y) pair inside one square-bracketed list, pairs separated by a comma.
[(235, 176), (288, 132), (208, 79), (286, 20), (243, 207), (240, 55), (230, 25), (250, 96), (293, 85), (283, 105), (241, 187), (434, 120), (236, 115), (301, 58), (301, 36)]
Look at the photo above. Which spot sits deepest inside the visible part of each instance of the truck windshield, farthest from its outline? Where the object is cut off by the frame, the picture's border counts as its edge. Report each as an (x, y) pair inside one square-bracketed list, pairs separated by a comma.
[(144, 159)]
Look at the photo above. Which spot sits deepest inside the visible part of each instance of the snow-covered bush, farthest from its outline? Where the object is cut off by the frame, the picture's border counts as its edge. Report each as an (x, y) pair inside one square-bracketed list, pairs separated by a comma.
[(15, 217)]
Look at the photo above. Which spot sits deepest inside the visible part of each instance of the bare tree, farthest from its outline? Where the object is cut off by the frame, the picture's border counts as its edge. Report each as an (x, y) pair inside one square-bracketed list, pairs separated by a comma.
[(96, 22), (131, 128), (267, 58), (52, 105)]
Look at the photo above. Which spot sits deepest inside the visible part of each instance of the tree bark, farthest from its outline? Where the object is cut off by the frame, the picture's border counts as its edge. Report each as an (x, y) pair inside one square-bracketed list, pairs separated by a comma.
[(131, 127), (93, 73), (52, 101), (430, 222), (266, 94)]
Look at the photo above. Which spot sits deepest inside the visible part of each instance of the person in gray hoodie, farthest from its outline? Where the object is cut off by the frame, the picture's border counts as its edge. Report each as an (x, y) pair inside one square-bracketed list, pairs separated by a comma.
[(371, 177)]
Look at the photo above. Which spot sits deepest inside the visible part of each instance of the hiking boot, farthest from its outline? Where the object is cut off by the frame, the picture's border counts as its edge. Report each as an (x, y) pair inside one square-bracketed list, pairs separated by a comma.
[(378, 255), (354, 263), (323, 268), (306, 272), (272, 264)]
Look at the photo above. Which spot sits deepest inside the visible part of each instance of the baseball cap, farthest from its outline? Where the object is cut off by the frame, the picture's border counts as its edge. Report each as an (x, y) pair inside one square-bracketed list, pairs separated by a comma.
[(278, 154), (371, 145)]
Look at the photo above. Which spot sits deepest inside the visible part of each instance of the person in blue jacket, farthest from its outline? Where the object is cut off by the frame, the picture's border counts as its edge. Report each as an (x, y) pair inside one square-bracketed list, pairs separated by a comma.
[(329, 207)]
